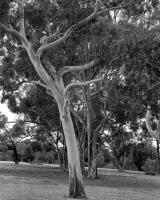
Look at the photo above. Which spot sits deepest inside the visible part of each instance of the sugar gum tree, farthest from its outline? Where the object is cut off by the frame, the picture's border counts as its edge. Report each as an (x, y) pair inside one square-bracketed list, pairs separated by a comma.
[(52, 79)]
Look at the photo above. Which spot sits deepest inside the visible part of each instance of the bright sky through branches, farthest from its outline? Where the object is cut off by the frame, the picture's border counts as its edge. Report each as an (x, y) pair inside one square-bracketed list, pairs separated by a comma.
[(4, 109)]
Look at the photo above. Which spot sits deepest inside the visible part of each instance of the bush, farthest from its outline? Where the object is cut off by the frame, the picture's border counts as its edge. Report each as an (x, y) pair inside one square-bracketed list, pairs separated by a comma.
[(39, 157), (150, 166), (100, 161), (44, 157), (6, 156), (50, 157)]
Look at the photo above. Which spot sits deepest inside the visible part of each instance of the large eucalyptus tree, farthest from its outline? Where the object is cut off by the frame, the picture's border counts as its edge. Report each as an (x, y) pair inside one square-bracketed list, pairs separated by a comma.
[(51, 76)]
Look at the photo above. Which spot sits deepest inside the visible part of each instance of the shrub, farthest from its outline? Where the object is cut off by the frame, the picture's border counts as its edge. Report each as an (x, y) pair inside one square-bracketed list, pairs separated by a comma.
[(150, 166), (100, 161), (50, 157), (6, 156)]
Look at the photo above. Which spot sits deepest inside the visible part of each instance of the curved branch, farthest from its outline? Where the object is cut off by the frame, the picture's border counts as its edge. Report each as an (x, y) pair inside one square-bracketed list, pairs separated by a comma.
[(78, 68), (75, 26), (47, 39), (80, 84), (52, 36), (148, 125), (67, 33)]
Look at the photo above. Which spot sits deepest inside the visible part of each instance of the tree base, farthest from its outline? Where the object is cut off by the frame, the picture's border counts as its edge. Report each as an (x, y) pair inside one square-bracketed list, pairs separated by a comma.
[(76, 188)]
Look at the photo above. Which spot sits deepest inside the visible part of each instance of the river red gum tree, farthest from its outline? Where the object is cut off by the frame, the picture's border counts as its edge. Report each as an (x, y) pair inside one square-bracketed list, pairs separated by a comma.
[(54, 85)]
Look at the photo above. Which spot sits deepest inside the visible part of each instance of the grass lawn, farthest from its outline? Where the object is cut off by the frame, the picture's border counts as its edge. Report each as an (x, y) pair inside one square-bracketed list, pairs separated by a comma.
[(36, 182)]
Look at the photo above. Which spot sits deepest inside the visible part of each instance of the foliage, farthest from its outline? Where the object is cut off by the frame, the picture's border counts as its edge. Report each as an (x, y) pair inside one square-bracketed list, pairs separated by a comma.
[(149, 166), (142, 152)]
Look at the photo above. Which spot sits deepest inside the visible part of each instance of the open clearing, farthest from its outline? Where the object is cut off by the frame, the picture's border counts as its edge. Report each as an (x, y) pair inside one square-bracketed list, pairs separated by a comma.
[(36, 182)]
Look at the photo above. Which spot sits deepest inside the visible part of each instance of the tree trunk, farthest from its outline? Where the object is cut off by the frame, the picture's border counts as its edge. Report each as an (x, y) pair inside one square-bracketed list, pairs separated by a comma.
[(90, 116), (16, 160), (81, 156), (76, 187), (93, 171), (158, 157), (116, 164), (123, 162)]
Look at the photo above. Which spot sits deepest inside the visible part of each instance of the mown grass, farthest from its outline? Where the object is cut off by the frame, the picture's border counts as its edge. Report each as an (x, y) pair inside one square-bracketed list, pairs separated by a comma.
[(34, 182)]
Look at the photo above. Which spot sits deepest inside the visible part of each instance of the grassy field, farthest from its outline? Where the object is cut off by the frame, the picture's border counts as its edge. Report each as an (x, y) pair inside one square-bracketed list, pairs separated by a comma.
[(36, 182)]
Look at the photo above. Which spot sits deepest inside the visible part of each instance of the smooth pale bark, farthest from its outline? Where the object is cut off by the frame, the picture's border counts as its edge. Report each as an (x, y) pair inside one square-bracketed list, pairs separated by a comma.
[(81, 154), (55, 90), (76, 187)]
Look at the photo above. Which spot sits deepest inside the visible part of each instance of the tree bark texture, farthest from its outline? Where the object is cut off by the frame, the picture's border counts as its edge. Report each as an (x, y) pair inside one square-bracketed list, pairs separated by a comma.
[(93, 171), (76, 186)]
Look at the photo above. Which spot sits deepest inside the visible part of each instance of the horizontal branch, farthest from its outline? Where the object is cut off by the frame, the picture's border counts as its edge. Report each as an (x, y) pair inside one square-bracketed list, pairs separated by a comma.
[(115, 8), (81, 84), (78, 68)]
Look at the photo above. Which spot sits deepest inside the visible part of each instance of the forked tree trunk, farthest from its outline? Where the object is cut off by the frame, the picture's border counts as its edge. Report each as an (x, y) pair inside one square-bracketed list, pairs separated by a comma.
[(76, 186)]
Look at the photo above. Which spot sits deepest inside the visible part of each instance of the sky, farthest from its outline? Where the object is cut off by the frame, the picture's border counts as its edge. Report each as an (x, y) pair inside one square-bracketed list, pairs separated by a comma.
[(4, 109)]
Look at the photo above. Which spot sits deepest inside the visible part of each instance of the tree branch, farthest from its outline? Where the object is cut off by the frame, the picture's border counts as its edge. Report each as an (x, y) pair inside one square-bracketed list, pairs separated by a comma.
[(50, 66), (41, 84), (78, 68), (21, 12), (67, 33), (48, 39), (15, 33), (75, 26), (77, 116), (80, 84), (115, 8), (148, 125)]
